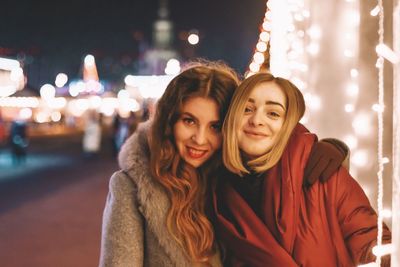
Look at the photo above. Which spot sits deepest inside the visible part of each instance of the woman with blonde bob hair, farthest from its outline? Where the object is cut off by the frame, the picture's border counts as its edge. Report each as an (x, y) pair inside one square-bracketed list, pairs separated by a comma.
[(263, 214), (295, 110)]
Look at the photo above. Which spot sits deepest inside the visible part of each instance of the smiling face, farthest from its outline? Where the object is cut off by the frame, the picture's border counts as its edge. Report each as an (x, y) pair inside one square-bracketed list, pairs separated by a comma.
[(262, 121), (197, 132)]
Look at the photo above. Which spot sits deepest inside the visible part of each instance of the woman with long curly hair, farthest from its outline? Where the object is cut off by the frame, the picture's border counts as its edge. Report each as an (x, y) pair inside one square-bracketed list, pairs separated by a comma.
[(156, 210)]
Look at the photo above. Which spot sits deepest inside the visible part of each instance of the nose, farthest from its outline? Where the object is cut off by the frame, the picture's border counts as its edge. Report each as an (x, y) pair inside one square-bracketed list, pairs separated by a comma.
[(200, 136), (256, 118)]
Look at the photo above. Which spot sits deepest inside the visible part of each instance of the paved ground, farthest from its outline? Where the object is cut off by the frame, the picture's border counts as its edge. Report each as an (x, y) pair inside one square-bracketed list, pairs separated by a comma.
[(51, 208)]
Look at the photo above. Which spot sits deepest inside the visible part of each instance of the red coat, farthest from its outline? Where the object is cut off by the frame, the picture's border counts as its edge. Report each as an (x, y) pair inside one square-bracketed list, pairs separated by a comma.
[(330, 224)]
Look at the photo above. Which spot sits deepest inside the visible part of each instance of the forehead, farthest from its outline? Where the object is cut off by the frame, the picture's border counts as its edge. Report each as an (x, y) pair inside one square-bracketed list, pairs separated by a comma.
[(202, 108), (267, 91)]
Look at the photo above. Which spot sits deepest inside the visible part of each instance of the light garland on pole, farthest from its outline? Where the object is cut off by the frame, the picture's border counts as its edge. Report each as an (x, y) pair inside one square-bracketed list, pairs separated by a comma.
[(379, 65), (395, 257)]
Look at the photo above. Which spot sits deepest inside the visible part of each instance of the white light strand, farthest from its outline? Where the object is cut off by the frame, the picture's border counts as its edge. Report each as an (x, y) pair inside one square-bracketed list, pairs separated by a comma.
[(395, 257), (380, 133), (262, 44)]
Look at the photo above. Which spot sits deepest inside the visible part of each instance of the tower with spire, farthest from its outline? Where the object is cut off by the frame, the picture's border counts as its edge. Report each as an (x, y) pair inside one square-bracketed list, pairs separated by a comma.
[(155, 59)]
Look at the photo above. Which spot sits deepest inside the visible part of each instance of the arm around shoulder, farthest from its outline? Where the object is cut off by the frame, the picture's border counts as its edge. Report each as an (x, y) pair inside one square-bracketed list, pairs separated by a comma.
[(122, 229)]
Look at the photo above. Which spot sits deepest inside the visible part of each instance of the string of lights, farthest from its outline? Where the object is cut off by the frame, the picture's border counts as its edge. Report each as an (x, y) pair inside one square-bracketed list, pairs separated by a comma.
[(379, 110)]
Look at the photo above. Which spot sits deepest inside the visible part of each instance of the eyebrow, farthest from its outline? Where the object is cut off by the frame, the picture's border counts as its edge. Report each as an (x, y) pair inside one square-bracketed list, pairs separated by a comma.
[(251, 100), (194, 117)]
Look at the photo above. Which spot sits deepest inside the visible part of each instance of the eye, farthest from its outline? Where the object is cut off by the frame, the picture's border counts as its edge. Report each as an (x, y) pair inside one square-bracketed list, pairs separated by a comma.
[(216, 127), (248, 109), (274, 114), (188, 120)]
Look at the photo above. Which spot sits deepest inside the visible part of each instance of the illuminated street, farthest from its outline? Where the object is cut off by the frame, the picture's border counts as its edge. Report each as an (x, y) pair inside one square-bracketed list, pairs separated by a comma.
[(50, 209)]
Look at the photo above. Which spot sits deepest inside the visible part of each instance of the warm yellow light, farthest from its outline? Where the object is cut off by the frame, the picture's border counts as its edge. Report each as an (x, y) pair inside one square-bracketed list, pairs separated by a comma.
[(359, 158), (378, 108), (89, 61), (123, 94), (384, 51), (57, 103), (362, 124), (264, 36), (349, 108), (173, 67), (47, 91), (352, 89), (94, 102), (354, 73), (55, 116), (193, 39), (258, 58), (25, 113), (261, 47), (351, 141), (267, 26), (315, 32), (254, 67), (374, 12), (61, 79), (348, 53), (383, 249), (313, 48)]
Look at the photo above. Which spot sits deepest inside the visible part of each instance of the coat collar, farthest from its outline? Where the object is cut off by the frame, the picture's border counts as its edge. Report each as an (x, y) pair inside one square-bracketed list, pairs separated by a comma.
[(151, 196)]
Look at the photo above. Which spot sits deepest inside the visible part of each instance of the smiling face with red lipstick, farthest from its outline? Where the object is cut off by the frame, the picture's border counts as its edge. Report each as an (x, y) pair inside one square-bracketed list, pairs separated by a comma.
[(197, 131), (263, 118)]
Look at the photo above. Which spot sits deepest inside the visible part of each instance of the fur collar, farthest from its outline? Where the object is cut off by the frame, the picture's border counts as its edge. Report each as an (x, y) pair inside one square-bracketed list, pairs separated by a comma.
[(151, 196)]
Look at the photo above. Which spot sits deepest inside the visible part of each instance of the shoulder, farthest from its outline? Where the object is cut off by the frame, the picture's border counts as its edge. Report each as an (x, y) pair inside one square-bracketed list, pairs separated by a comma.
[(345, 188), (122, 189), (300, 144)]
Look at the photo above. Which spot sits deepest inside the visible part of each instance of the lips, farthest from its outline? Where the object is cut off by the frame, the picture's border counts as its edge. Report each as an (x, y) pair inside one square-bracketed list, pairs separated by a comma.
[(196, 153), (254, 134)]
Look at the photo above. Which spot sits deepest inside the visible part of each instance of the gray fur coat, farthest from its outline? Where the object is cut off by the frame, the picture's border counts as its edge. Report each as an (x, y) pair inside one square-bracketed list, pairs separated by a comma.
[(134, 231)]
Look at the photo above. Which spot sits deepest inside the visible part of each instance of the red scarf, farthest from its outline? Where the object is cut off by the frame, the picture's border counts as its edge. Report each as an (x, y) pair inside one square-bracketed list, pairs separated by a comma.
[(269, 240)]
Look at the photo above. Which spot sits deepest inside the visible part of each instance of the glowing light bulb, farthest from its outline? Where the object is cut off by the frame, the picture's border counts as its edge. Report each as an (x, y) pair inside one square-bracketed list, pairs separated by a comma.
[(362, 124), (264, 36), (351, 141), (378, 108), (259, 58), (352, 89), (374, 12), (61, 79), (254, 67), (89, 60), (349, 108), (354, 73), (383, 250), (47, 91), (261, 47), (193, 39), (360, 158)]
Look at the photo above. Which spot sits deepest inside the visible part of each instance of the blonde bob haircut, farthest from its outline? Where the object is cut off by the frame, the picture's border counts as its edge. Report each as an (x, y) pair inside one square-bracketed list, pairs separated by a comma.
[(295, 108)]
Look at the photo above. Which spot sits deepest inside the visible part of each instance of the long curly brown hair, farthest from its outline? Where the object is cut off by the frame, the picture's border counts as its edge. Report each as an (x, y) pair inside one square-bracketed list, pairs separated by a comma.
[(186, 186)]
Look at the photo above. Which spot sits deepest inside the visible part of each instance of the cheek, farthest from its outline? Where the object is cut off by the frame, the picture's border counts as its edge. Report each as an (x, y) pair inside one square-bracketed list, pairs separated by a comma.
[(278, 126), (178, 134)]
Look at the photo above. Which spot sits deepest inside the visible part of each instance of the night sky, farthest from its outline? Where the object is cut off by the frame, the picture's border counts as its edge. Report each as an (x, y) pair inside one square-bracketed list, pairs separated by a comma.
[(53, 36)]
